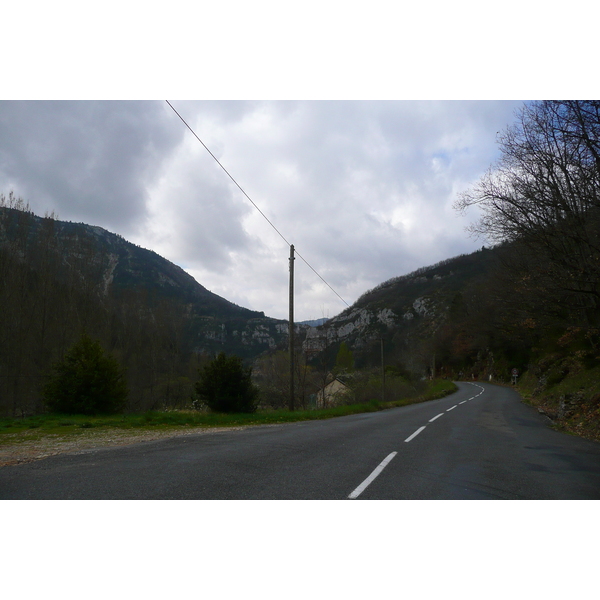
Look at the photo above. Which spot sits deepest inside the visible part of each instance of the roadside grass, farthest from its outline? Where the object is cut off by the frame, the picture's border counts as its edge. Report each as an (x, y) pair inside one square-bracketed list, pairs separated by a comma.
[(37, 427)]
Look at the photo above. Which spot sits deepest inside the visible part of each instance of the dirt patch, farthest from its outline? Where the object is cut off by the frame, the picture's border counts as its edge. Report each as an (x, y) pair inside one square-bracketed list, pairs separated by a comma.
[(17, 451)]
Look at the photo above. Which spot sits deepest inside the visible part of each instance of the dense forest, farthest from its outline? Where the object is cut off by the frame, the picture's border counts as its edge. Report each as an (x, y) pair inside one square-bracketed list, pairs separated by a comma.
[(542, 202), (52, 290), (59, 280)]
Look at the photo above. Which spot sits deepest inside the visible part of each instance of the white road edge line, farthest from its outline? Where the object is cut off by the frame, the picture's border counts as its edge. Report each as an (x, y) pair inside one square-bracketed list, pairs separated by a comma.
[(415, 434), (436, 417), (369, 480)]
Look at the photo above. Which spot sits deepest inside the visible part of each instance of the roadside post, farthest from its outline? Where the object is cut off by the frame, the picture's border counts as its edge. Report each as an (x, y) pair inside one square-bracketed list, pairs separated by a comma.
[(514, 374)]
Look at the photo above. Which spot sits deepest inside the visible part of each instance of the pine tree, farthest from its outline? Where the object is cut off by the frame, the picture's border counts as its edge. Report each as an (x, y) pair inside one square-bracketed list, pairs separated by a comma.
[(86, 381), (226, 386)]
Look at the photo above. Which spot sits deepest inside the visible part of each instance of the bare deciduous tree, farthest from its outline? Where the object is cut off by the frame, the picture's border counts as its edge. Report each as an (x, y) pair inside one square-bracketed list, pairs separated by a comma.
[(544, 193)]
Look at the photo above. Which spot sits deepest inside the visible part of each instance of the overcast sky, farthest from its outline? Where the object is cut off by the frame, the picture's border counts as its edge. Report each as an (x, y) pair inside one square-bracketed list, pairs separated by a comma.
[(363, 189)]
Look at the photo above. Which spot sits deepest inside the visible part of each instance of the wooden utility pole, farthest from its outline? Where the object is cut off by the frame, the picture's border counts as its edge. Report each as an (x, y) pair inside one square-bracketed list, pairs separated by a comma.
[(382, 374), (291, 327)]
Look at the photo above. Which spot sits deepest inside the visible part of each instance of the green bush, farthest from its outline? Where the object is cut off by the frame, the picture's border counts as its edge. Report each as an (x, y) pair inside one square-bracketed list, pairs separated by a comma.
[(226, 386), (86, 381)]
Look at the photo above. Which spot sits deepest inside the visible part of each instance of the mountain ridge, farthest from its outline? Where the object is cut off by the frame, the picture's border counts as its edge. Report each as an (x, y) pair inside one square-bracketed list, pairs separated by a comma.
[(127, 260)]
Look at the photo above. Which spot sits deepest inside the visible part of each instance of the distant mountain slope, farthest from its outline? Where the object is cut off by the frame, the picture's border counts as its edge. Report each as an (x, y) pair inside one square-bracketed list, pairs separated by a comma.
[(313, 322), (450, 275), (406, 312), (122, 265)]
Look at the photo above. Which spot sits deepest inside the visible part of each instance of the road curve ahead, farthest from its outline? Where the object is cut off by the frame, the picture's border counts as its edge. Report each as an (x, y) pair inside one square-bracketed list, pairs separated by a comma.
[(481, 442)]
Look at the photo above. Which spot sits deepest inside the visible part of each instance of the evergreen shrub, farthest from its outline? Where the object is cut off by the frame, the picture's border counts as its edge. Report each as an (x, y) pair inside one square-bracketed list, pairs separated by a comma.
[(86, 381), (225, 385)]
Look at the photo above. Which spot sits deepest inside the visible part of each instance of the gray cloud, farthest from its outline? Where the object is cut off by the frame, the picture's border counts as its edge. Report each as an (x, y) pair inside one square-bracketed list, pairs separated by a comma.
[(89, 161), (363, 189)]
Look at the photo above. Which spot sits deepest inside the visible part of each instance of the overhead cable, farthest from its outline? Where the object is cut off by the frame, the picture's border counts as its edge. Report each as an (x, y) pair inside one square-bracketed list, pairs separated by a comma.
[(228, 174), (317, 274), (252, 202)]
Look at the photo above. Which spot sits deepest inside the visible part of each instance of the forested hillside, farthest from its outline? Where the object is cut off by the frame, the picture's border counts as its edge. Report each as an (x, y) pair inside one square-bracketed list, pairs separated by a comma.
[(440, 319), (58, 280), (543, 197), (532, 301)]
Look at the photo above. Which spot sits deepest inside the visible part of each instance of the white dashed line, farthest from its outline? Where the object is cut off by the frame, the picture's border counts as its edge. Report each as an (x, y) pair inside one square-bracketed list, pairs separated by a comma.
[(367, 482), (415, 434)]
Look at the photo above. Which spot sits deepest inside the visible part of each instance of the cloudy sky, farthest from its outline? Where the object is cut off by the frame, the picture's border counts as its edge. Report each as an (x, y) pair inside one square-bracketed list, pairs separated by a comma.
[(363, 189), (348, 162)]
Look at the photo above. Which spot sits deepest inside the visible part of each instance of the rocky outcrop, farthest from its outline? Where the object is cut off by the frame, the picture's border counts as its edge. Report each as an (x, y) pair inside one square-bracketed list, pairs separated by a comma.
[(569, 404), (358, 326), (422, 306)]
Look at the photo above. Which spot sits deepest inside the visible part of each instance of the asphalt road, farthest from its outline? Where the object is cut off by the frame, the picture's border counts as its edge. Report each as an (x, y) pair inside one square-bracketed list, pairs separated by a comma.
[(480, 443)]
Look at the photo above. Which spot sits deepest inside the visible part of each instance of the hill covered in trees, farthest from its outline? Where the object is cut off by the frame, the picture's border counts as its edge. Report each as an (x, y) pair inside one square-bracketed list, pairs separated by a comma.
[(532, 301), (60, 279)]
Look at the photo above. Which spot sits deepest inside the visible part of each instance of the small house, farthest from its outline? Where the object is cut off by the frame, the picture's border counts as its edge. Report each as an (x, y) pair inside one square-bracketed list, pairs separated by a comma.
[(334, 393)]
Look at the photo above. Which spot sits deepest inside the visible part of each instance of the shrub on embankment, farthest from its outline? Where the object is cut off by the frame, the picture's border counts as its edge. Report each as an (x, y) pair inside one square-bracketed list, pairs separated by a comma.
[(568, 392)]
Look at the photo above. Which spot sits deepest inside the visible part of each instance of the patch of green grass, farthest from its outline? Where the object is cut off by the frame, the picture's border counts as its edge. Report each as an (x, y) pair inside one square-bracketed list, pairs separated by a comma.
[(439, 388), (588, 380), (158, 420)]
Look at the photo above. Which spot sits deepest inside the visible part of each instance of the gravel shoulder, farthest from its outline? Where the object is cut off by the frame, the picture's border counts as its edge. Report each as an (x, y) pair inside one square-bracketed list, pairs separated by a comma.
[(15, 450)]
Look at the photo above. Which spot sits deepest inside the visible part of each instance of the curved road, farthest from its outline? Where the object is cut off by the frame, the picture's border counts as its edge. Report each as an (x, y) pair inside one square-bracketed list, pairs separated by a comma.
[(480, 443)]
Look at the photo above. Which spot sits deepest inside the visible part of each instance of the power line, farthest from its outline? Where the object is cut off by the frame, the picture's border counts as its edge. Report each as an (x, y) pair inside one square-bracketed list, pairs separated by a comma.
[(253, 203), (310, 267), (228, 174)]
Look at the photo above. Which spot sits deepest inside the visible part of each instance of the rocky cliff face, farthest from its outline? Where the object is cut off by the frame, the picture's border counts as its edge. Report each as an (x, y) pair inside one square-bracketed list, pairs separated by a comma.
[(246, 338), (359, 327), (405, 312)]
